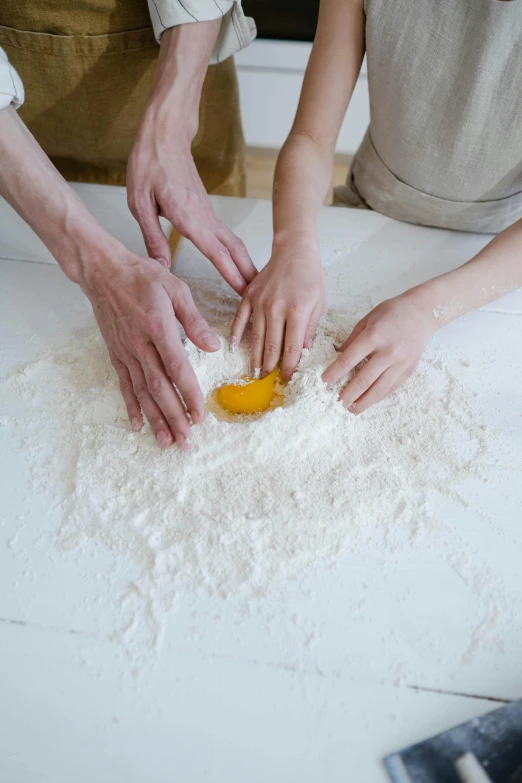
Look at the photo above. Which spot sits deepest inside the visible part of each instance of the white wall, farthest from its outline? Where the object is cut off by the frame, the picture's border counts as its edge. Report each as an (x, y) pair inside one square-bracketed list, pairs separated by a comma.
[(270, 76)]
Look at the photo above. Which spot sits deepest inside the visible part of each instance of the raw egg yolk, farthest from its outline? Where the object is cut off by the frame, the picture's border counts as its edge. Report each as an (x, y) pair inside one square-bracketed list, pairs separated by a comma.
[(252, 396)]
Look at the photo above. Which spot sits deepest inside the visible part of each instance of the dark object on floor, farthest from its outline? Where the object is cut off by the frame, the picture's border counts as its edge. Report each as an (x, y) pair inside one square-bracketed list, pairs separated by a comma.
[(495, 739)]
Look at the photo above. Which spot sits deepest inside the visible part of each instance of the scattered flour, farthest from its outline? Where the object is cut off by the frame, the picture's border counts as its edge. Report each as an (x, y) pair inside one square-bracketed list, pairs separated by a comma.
[(254, 503)]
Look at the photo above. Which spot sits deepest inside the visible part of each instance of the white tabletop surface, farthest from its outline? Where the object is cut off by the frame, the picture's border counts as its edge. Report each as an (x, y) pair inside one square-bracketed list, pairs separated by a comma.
[(229, 698)]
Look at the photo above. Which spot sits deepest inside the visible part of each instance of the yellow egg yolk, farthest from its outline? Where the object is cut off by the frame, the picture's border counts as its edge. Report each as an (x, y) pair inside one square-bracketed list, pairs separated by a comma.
[(253, 396)]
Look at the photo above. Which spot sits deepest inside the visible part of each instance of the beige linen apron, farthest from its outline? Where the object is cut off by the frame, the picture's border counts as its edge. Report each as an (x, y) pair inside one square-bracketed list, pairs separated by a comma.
[(87, 68), (444, 146)]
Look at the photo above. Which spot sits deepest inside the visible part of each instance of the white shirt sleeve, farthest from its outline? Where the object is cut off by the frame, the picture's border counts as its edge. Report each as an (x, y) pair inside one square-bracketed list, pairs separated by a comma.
[(11, 87), (236, 33)]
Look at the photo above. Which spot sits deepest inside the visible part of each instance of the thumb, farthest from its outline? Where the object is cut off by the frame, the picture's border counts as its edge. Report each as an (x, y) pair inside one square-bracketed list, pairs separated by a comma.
[(196, 328), (155, 240)]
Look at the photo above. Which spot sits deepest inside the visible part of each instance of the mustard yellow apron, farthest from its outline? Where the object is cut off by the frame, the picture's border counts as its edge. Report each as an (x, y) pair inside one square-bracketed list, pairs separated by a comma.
[(87, 68)]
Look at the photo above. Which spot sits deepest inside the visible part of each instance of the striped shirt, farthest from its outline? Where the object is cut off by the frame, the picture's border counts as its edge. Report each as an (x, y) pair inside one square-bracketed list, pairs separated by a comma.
[(237, 32)]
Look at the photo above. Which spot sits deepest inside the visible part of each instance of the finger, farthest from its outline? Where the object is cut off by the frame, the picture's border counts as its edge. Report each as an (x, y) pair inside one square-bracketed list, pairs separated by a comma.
[(311, 329), (241, 319), (257, 342), (159, 426), (156, 242), (217, 253), (388, 382), (397, 383), (363, 379), (196, 328), (349, 358), (294, 340), (275, 327), (127, 390), (238, 252), (166, 397), (179, 370)]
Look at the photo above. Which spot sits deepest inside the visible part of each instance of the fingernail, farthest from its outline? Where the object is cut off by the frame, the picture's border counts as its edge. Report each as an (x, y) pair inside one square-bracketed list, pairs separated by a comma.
[(329, 386), (181, 442), (211, 340), (233, 343), (163, 439), (136, 424), (197, 416), (309, 343)]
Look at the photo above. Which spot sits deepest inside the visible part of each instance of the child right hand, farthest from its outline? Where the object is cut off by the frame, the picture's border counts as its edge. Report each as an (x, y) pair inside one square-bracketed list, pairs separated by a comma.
[(287, 301)]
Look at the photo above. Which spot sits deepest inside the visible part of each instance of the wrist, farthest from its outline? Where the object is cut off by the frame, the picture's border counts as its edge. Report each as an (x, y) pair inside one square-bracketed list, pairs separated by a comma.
[(296, 237), (172, 115), (82, 247), (434, 303)]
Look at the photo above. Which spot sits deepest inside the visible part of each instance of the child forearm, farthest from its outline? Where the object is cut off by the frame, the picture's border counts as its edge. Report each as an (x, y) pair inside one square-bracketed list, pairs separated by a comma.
[(304, 166), (302, 177), (492, 273)]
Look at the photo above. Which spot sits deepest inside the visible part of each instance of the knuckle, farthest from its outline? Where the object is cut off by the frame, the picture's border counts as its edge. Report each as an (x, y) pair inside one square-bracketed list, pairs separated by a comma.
[(156, 328), (194, 320), (343, 361), (126, 387), (154, 241), (271, 305), (141, 391), (295, 308), (272, 348), (176, 422), (292, 349), (156, 422), (360, 382), (155, 385), (238, 318), (131, 201), (136, 348), (395, 352), (174, 368), (183, 288), (375, 333), (257, 338)]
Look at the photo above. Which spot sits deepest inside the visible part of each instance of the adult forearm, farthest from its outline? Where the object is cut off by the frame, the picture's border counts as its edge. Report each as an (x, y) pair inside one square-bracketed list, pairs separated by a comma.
[(492, 273), (40, 195), (185, 52)]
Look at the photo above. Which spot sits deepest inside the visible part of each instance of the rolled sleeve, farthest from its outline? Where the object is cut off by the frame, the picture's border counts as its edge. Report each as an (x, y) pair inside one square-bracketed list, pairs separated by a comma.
[(236, 33), (11, 87)]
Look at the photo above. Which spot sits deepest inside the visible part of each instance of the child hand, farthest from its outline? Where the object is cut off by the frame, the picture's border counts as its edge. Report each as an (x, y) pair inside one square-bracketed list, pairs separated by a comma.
[(287, 301), (392, 337)]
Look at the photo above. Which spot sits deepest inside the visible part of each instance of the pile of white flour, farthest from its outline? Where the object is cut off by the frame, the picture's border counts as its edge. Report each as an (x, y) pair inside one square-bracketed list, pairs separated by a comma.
[(251, 504)]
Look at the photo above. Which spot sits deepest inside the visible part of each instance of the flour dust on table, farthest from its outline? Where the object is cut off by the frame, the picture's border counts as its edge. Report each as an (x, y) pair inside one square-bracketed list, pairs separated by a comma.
[(252, 504)]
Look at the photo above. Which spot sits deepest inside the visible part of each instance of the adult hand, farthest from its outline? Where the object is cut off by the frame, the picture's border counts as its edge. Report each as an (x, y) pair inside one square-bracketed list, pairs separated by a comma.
[(136, 302), (161, 175), (287, 301), (392, 337), (162, 179)]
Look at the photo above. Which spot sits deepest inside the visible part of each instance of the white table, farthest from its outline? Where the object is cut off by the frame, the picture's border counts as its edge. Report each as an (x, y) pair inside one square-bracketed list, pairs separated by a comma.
[(230, 699)]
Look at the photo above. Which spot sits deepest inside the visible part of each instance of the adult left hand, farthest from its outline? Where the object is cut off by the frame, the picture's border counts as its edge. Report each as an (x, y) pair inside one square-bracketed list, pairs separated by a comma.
[(162, 179), (392, 337)]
